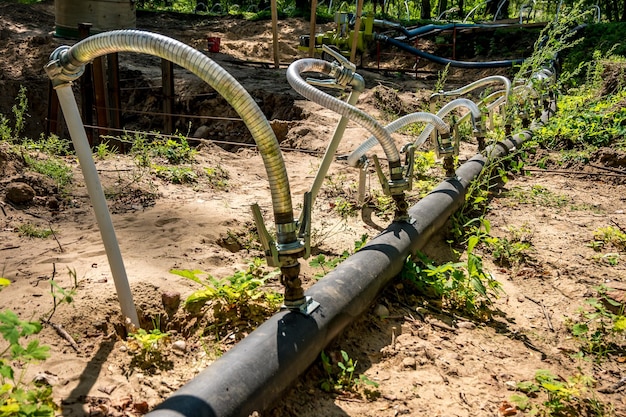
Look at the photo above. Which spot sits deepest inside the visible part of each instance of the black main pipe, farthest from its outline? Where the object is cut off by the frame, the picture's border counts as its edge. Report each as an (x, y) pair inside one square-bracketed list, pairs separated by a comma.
[(251, 375)]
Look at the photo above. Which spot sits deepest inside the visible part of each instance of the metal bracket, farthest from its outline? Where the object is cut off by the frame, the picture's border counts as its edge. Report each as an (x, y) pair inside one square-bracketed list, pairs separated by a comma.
[(307, 308), (304, 230), (268, 244)]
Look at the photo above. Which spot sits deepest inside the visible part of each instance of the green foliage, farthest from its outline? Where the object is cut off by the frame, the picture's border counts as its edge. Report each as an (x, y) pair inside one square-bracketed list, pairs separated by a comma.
[(511, 251), (18, 398), (563, 398), (171, 150), (53, 168), (32, 231), (175, 174), (600, 326), (609, 237), (606, 38), (103, 150), (51, 145), (19, 110), (148, 347), (218, 177), (538, 195), (239, 301), (340, 376), (585, 120), (461, 286), (344, 207)]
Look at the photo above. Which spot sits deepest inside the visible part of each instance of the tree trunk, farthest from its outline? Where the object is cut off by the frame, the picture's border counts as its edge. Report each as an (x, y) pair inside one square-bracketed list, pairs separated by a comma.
[(461, 12), (304, 6), (443, 4), (623, 18), (425, 10)]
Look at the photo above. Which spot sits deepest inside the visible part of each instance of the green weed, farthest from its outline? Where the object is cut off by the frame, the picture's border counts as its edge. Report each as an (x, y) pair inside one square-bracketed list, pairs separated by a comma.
[(538, 195), (600, 326), (238, 301), (53, 168), (32, 231), (461, 286), (566, 398), (513, 250), (175, 174), (17, 397), (148, 347), (340, 377), (218, 177)]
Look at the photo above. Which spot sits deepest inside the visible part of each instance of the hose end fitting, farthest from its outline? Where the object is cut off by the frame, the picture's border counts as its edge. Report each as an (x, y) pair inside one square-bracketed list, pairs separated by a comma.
[(60, 69)]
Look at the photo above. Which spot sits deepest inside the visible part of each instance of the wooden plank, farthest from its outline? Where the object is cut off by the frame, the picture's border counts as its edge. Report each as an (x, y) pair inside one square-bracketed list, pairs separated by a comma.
[(312, 28), (357, 29), (274, 8), (167, 79)]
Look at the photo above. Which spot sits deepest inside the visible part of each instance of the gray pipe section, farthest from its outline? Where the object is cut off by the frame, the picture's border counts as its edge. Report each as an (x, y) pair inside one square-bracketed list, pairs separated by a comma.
[(251, 375), (218, 78)]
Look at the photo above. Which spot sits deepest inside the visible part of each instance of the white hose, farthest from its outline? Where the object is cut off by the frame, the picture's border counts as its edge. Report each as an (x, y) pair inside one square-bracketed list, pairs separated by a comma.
[(423, 117)]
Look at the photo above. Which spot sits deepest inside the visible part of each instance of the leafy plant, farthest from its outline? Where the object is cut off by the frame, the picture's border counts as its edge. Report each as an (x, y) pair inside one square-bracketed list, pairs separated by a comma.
[(340, 376), (564, 398), (175, 174), (218, 177), (463, 286), (344, 207), (600, 325), (17, 397), (53, 168), (238, 301), (511, 251), (148, 346), (103, 150)]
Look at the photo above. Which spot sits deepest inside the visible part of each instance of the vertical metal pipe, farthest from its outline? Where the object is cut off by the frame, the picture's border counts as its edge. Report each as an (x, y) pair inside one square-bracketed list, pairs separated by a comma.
[(331, 149)]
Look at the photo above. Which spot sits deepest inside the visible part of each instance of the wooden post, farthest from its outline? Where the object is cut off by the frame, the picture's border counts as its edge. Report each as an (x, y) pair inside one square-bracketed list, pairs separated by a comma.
[(52, 122), (114, 100), (113, 86), (100, 97), (86, 87), (312, 28), (275, 50), (167, 80), (357, 29)]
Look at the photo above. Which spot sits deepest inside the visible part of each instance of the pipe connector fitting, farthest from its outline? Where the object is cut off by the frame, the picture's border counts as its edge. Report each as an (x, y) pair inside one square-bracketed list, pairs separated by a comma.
[(60, 69)]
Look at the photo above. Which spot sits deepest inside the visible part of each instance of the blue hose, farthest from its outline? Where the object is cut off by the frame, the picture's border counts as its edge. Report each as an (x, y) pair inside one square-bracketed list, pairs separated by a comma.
[(445, 61)]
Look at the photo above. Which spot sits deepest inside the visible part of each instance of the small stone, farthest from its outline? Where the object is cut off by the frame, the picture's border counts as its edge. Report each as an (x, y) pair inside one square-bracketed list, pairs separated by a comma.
[(381, 311), (20, 193), (123, 348), (170, 300), (179, 345), (511, 385), (466, 325), (408, 363)]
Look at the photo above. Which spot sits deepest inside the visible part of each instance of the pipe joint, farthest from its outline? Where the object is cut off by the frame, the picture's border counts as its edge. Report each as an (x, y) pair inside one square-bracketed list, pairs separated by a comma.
[(60, 69)]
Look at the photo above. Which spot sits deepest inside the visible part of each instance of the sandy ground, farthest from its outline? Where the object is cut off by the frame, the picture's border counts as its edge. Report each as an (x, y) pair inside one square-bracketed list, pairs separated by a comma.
[(425, 362)]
